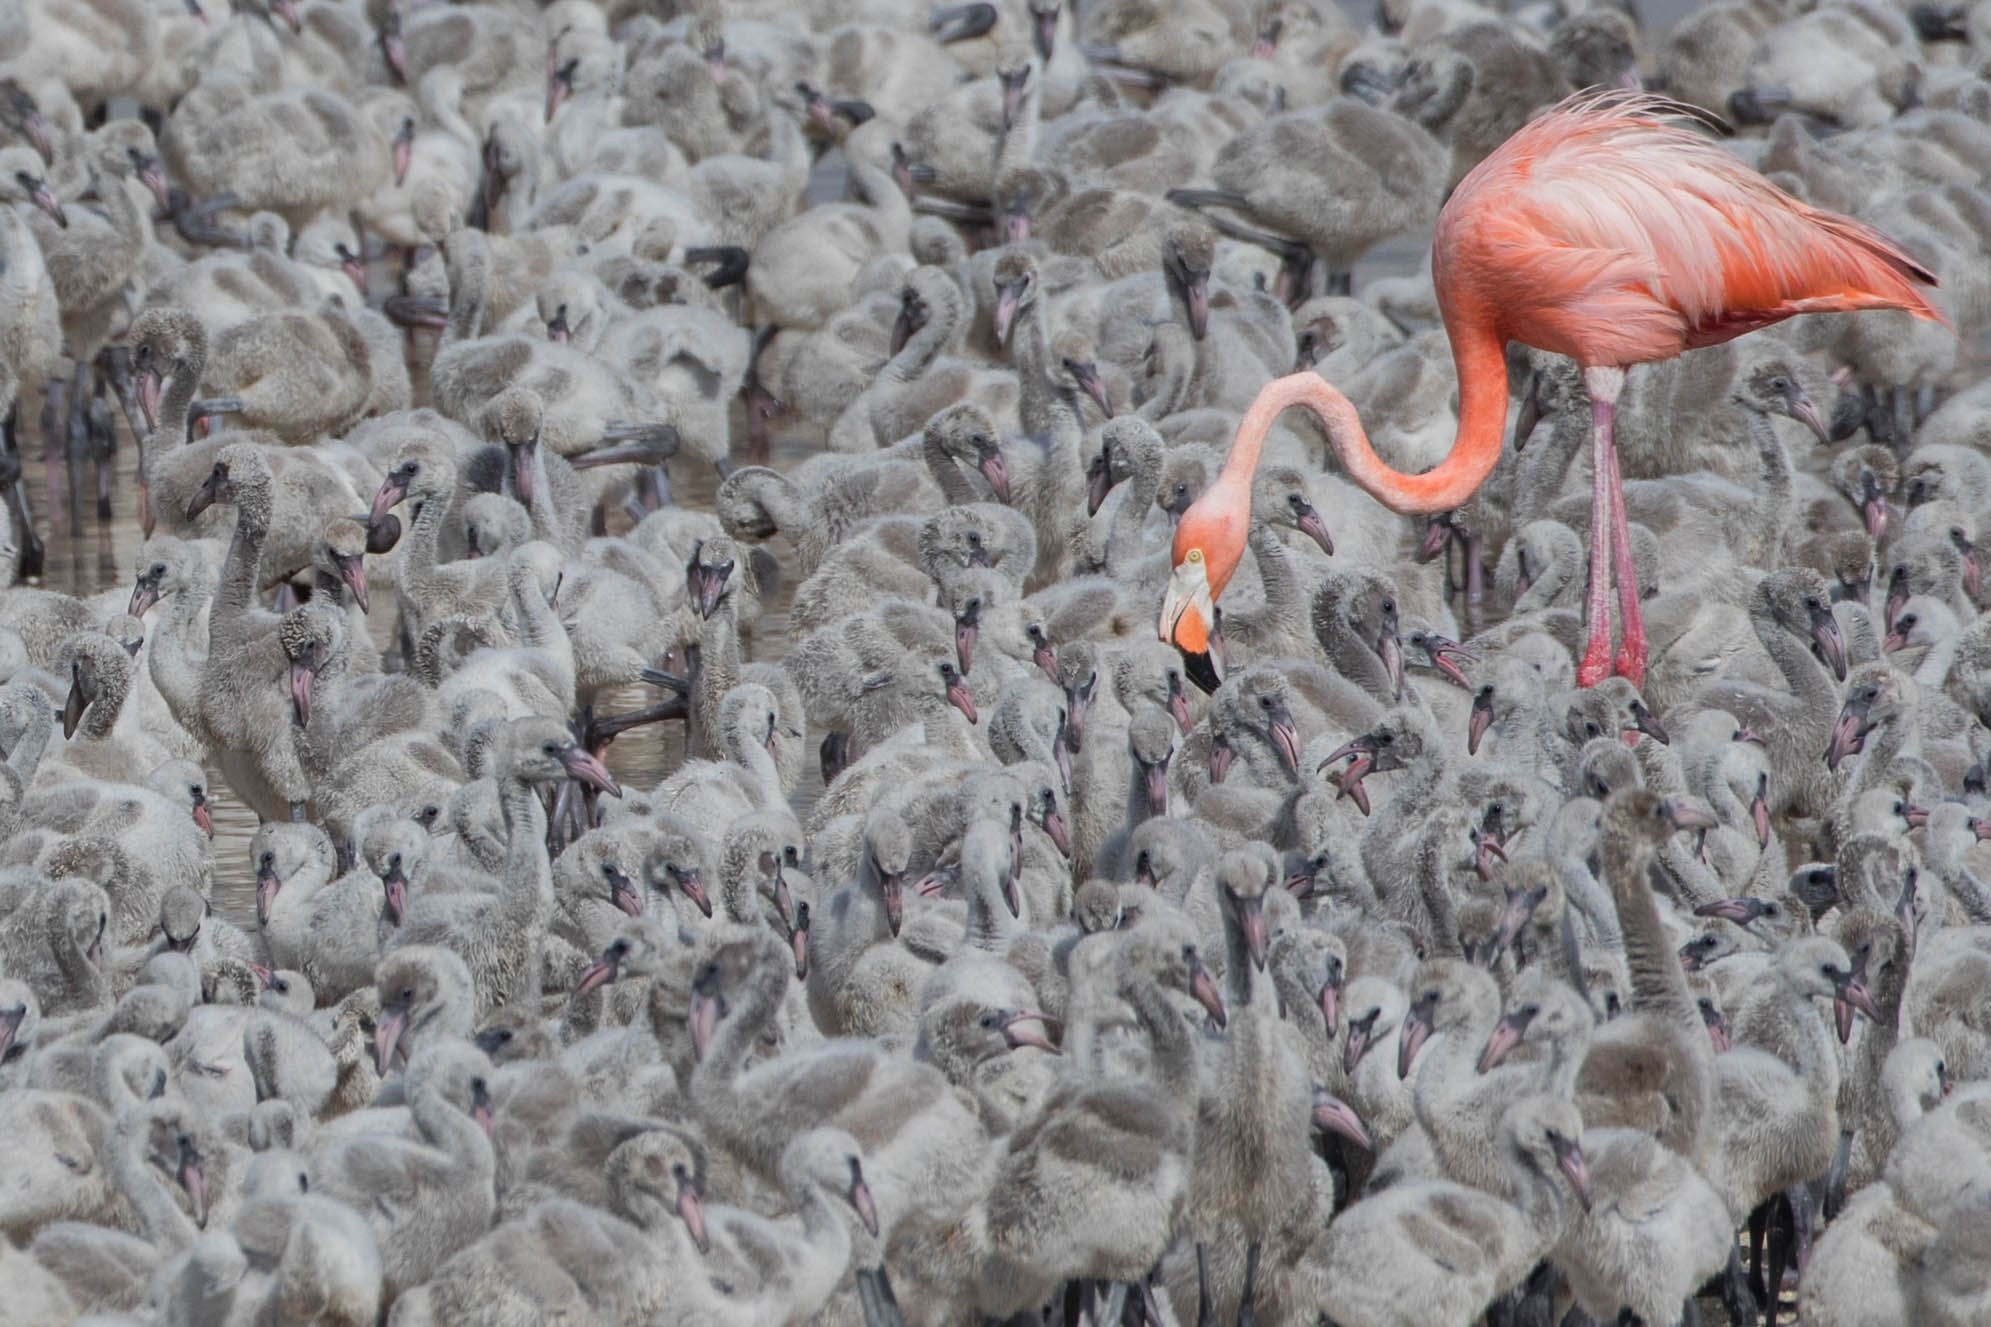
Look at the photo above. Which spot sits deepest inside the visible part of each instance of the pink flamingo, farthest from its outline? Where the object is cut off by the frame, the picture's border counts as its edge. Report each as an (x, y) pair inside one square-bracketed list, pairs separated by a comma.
[(1607, 230)]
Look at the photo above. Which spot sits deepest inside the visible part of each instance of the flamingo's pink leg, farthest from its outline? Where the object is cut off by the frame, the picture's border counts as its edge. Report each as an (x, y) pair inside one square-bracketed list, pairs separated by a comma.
[(1596, 664), (1607, 505), (1631, 621)]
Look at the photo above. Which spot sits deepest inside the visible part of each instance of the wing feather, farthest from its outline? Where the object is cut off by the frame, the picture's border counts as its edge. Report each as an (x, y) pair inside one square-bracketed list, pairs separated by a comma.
[(1610, 230)]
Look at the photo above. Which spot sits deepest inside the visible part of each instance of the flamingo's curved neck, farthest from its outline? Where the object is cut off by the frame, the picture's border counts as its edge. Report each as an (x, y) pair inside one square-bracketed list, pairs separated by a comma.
[(1249, 442), (1482, 366)]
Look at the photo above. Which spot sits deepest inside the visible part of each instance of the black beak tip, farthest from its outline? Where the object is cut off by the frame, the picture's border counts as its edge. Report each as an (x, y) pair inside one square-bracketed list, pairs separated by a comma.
[(1201, 670)]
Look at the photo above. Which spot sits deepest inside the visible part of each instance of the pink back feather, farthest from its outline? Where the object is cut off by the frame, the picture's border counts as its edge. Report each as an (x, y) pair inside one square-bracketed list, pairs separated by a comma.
[(1609, 230)]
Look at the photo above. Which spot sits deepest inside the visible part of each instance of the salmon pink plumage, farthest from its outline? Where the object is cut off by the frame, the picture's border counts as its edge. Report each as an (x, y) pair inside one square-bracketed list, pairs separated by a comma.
[(1610, 229)]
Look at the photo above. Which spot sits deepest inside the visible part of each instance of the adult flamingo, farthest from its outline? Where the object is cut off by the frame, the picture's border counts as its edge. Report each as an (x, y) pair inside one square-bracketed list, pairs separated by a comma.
[(1607, 230)]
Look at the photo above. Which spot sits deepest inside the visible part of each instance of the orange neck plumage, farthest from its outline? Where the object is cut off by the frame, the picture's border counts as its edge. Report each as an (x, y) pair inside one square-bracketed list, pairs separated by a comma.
[(1216, 525)]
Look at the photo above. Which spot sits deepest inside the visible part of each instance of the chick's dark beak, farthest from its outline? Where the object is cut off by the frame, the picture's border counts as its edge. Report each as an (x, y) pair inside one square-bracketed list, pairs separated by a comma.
[(1569, 1159), (691, 1210), (1205, 990), (1086, 374), (208, 493), (1831, 644), (352, 570), (583, 766), (303, 672), (1008, 297), (393, 490), (1849, 732), (44, 198), (861, 1200), (82, 693), (1414, 1032), (1479, 719), (1333, 1115)]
